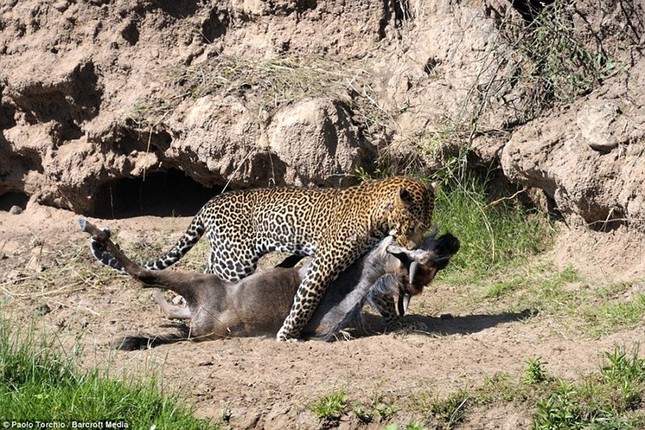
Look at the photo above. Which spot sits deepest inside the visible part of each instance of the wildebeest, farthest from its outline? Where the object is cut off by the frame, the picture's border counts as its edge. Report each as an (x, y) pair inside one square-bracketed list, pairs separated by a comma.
[(258, 304)]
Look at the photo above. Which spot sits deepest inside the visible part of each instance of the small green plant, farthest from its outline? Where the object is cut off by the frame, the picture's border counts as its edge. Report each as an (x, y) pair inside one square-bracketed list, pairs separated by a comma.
[(383, 405), (330, 407), (559, 410), (386, 411), (623, 367), (535, 372), (450, 410)]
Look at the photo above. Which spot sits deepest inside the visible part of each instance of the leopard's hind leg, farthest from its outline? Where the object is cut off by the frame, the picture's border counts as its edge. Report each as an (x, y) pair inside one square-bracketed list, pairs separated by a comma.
[(232, 259)]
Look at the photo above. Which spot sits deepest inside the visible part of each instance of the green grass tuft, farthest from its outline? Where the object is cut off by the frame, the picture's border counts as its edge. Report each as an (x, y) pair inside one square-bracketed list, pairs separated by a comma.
[(450, 410), (39, 383), (610, 314), (330, 407), (492, 236), (535, 372)]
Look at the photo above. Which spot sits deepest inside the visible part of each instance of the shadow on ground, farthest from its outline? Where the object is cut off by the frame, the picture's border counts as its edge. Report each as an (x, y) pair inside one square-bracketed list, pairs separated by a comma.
[(445, 325)]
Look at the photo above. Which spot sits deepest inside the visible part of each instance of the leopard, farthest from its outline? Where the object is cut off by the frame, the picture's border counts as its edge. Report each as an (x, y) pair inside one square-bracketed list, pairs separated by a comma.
[(333, 226)]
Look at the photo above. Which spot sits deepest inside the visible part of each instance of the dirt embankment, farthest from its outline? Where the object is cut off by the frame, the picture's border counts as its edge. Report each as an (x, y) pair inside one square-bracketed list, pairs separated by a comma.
[(105, 103)]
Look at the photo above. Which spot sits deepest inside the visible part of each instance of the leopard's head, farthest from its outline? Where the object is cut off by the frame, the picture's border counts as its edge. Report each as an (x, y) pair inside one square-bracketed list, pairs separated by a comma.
[(411, 213)]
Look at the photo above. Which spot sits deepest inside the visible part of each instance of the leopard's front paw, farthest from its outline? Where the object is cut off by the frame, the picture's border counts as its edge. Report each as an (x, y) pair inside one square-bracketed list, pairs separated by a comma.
[(284, 336)]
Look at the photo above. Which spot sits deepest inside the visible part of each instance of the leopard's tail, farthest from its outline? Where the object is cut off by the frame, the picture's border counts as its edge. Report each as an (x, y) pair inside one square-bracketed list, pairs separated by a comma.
[(192, 235)]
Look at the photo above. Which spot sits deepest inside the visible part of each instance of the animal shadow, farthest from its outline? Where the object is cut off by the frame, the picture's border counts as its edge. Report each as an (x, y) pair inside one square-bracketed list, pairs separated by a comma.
[(444, 325), (372, 325)]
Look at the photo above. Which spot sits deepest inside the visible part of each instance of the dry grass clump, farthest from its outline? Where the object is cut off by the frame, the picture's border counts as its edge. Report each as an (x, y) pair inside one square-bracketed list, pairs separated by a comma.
[(559, 55), (264, 85)]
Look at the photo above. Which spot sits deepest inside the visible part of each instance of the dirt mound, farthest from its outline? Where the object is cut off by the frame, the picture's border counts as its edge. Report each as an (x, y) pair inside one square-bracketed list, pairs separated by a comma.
[(102, 100)]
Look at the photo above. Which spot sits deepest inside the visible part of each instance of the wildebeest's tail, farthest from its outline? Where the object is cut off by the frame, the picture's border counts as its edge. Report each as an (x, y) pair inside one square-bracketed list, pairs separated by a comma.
[(101, 253), (145, 341), (192, 235)]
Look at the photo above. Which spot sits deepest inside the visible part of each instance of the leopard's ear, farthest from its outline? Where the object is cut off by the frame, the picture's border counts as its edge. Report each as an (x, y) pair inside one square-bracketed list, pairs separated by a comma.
[(404, 197)]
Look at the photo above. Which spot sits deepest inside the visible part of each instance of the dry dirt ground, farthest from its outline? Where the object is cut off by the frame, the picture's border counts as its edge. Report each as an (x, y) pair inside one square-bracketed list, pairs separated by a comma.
[(48, 275)]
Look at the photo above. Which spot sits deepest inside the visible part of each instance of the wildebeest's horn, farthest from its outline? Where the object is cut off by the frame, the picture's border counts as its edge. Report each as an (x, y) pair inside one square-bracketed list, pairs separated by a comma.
[(414, 265), (404, 301)]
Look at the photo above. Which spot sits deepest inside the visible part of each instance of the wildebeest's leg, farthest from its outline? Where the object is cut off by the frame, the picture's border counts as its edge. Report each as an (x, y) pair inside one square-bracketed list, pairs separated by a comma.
[(187, 285), (103, 237), (169, 310)]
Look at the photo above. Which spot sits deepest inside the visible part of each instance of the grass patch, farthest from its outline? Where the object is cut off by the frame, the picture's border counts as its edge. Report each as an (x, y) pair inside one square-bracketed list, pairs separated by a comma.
[(39, 383), (450, 410), (502, 388), (492, 236), (594, 310), (606, 315), (611, 398), (380, 408), (539, 285), (330, 407), (445, 411), (582, 306)]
